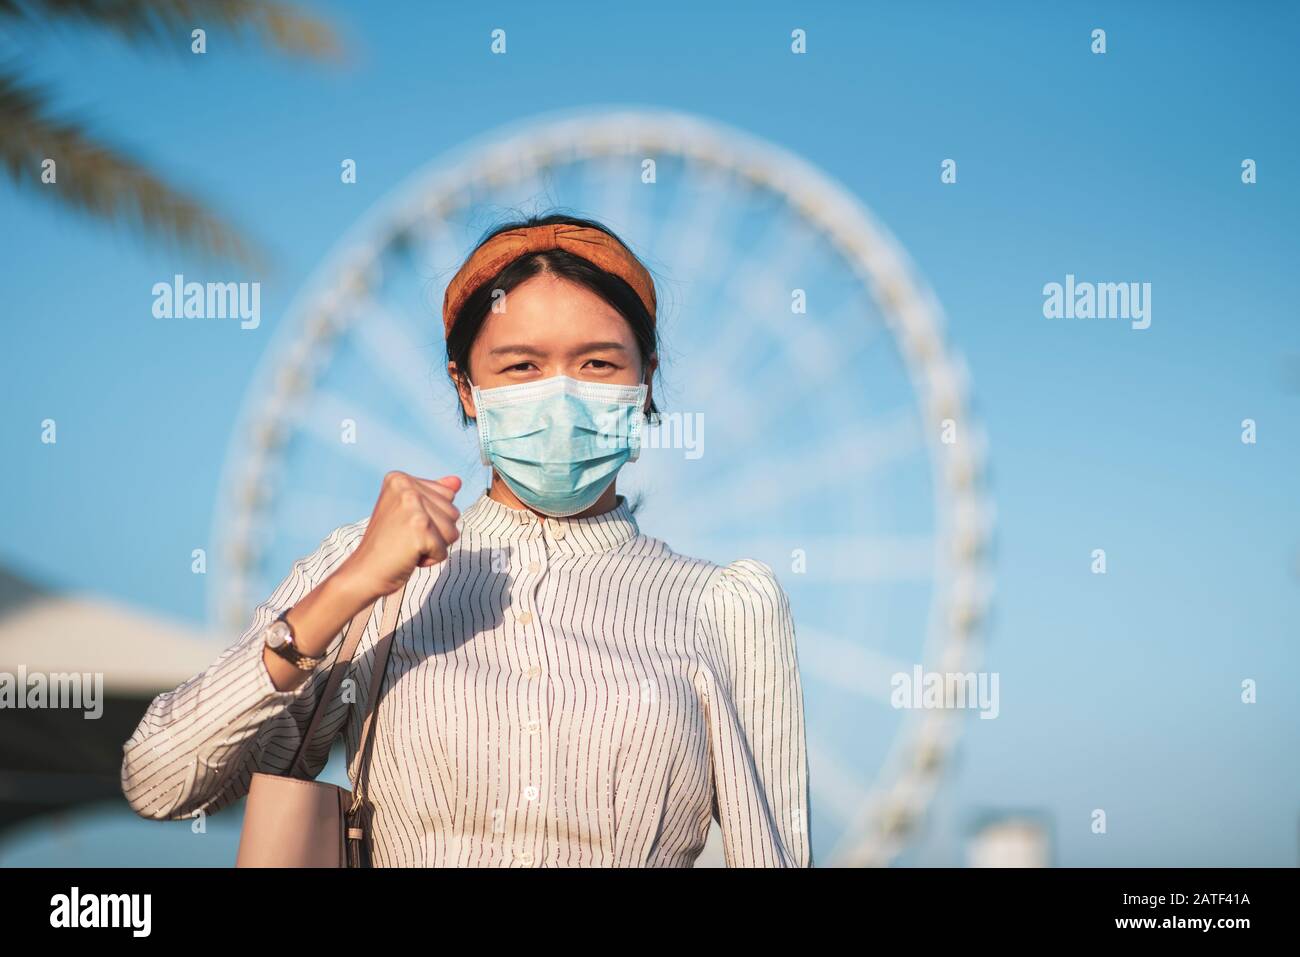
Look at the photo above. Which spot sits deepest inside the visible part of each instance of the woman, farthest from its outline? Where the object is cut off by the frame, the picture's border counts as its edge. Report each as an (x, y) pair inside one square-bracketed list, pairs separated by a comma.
[(562, 689)]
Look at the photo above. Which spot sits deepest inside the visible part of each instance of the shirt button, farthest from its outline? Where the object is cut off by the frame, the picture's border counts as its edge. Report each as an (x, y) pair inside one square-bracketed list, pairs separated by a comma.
[(530, 793), (525, 858), (533, 726), (557, 528), (534, 567), (525, 617), (534, 671)]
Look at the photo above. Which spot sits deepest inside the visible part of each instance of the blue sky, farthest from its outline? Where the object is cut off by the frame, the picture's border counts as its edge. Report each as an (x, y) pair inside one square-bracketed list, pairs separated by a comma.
[(1119, 691)]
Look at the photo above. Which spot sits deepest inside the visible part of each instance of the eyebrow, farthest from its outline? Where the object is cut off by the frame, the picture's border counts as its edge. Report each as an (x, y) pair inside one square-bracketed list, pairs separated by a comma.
[(527, 350)]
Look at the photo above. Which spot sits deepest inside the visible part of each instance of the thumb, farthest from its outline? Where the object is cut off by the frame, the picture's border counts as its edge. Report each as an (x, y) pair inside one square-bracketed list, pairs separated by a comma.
[(450, 481)]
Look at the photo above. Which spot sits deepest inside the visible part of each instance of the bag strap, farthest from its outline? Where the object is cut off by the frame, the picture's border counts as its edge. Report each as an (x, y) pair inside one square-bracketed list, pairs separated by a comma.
[(392, 605), (352, 640)]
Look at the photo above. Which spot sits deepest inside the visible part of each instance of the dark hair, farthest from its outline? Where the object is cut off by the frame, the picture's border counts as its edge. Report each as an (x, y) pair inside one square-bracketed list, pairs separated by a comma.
[(557, 262)]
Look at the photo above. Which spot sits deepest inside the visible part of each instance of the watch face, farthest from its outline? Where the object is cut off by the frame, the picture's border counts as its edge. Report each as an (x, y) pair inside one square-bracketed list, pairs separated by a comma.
[(278, 634)]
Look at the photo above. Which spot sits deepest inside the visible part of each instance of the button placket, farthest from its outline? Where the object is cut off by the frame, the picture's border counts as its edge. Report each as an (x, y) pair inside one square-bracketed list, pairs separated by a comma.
[(532, 570), (535, 724), (527, 558), (535, 793)]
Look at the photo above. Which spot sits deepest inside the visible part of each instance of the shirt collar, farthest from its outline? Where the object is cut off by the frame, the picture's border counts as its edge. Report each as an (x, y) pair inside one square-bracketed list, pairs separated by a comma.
[(490, 520)]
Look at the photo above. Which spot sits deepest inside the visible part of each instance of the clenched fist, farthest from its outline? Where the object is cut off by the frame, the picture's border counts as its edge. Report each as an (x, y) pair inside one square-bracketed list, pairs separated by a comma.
[(412, 526)]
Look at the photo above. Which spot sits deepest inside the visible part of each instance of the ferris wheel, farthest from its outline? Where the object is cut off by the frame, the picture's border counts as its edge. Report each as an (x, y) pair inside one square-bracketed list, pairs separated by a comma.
[(823, 421)]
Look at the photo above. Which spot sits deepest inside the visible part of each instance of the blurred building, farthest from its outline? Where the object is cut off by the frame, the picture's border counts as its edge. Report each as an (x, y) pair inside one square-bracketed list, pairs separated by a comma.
[(1010, 839), (54, 759)]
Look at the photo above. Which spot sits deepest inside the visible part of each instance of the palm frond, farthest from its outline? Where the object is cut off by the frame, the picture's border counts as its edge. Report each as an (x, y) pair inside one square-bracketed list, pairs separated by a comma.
[(95, 178), (278, 24)]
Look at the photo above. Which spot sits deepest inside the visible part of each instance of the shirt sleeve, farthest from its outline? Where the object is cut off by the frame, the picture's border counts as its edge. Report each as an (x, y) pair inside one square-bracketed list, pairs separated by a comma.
[(197, 746), (756, 721)]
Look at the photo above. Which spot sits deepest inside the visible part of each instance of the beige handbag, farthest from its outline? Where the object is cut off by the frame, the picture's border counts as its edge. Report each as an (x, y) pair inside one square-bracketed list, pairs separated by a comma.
[(293, 821)]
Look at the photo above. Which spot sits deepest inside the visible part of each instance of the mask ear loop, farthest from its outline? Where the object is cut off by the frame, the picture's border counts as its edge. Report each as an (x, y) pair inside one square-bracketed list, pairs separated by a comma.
[(480, 422), (638, 418)]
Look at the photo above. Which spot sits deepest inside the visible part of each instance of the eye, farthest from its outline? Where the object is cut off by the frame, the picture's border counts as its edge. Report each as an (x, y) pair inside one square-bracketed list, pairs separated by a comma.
[(519, 367), (600, 364)]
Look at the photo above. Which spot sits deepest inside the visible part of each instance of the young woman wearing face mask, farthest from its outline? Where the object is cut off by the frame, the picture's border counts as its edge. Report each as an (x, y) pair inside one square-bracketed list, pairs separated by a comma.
[(561, 689)]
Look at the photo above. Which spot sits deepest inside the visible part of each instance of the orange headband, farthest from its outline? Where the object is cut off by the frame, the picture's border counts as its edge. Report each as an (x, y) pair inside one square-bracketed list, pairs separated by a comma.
[(597, 247)]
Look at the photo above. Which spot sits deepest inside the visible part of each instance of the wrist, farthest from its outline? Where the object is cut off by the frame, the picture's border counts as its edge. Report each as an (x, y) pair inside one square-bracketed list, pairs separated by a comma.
[(281, 639), (349, 589), (318, 618)]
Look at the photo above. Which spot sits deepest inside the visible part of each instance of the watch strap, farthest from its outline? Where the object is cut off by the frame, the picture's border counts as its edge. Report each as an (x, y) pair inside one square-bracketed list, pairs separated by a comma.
[(290, 652)]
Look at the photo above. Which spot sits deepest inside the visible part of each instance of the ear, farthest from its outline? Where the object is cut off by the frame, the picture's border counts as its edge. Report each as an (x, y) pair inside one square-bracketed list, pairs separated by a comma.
[(462, 389), (651, 365)]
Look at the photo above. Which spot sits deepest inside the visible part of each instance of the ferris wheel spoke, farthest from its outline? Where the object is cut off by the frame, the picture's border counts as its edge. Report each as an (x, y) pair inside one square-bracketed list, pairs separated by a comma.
[(780, 475), (377, 447), (613, 181), (402, 366), (772, 397), (441, 252), (300, 508), (694, 216), (797, 418), (838, 792), (838, 662), (654, 202), (856, 560), (749, 294), (816, 360), (702, 216), (832, 360)]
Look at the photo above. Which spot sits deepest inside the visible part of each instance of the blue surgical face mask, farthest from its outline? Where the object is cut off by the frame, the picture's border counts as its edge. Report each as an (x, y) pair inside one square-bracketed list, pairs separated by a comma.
[(559, 442)]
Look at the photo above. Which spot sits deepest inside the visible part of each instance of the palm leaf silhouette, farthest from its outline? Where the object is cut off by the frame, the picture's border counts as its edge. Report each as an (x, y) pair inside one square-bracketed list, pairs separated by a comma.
[(103, 181)]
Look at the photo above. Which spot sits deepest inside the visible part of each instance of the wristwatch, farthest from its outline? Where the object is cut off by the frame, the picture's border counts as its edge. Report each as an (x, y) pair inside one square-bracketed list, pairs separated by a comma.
[(278, 636)]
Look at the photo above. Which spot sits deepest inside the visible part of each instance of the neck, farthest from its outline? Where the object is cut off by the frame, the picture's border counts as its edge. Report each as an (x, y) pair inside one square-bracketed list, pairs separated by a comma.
[(501, 492)]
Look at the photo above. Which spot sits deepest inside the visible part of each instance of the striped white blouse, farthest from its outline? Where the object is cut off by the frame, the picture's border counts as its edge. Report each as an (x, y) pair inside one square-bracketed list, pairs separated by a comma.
[(560, 693)]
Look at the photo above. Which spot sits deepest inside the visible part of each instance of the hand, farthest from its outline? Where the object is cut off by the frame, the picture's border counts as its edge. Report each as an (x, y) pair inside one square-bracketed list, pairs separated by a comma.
[(412, 526)]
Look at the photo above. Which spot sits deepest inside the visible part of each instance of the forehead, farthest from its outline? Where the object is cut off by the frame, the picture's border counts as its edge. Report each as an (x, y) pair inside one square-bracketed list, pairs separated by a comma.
[(549, 311)]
